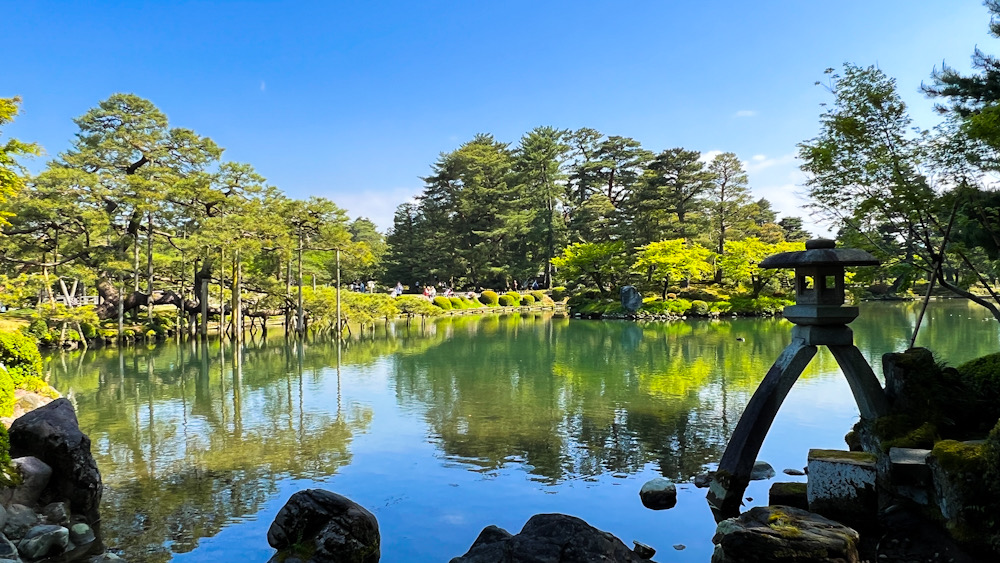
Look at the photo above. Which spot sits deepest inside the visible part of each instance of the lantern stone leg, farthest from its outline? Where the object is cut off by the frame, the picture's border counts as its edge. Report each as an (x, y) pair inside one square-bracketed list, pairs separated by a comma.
[(726, 492), (868, 393)]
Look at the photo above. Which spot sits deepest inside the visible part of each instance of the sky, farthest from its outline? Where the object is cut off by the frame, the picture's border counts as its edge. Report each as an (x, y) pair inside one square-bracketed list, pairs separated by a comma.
[(354, 101)]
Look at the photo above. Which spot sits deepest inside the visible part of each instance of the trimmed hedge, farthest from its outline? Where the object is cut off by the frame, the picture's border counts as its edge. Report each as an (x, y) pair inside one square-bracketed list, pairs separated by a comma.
[(514, 296), (506, 300), (443, 302), (456, 303), (527, 300), (489, 297), (20, 355)]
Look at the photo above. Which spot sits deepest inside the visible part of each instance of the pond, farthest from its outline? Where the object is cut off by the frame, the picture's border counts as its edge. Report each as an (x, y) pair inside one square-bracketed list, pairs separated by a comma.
[(444, 427)]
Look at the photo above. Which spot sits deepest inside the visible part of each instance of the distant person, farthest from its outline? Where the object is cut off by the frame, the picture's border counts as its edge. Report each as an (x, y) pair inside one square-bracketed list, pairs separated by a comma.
[(534, 285), (399, 289)]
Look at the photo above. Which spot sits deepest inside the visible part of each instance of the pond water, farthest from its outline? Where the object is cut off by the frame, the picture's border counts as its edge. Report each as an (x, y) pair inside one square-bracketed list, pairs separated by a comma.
[(443, 428)]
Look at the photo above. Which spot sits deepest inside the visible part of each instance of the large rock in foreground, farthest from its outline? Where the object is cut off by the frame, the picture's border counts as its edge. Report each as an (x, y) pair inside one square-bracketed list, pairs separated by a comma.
[(782, 534), (52, 434), (318, 526), (549, 538)]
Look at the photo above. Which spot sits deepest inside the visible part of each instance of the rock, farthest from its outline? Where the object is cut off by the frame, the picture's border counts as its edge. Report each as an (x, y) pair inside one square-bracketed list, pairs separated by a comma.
[(57, 513), (793, 472), (642, 550), (658, 494), (44, 540), (81, 534), (7, 549), (631, 298), (789, 494), (52, 434), (3, 518), (704, 480), (842, 486), (20, 519), (339, 529), (680, 546), (549, 538), (782, 534), (35, 476), (762, 471)]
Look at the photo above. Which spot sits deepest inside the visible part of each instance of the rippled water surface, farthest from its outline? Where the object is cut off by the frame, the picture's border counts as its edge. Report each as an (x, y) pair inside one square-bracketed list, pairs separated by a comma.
[(443, 428)]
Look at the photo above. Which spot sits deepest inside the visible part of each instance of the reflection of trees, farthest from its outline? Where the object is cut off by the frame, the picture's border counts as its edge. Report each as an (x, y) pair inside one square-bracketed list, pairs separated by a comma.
[(583, 398), (191, 437)]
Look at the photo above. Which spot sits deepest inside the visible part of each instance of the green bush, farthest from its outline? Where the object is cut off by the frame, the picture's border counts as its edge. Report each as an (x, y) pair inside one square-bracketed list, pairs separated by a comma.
[(514, 296), (37, 328), (5, 450), (982, 376), (559, 293), (699, 294), (7, 398), (506, 300), (469, 303), (89, 330), (489, 297), (456, 303), (150, 334), (527, 300), (128, 334), (539, 295), (19, 353), (744, 305), (699, 307), (721, 307), (443, 302), (416, 305)]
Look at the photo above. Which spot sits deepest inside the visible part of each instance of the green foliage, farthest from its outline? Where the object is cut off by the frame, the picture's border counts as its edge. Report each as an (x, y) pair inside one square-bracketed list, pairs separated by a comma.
[(490, 298), (469, 303), (442, 302), (11, 178), (982, 376), (506, 300), (515, 297), (38, 328), (748, 305), (559, 293), (527, 300), (673, 260), (20, 356), (89, 330), (7, 398), (415, 305), (456, 303), (741, 259), (603, 264), (538, 294)]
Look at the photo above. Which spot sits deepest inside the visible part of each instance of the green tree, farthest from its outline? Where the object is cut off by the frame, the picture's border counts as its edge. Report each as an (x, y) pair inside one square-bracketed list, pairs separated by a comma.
[(728, 202), (602, 263), (11, 174), (671, 260), (673, 184), (740, 263), (541, 182), (793, 229)]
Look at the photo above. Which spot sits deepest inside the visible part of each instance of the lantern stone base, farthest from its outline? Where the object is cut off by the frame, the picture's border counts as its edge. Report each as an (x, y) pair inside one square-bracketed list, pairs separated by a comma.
[(820, 314), (838, 335), (842, 486)]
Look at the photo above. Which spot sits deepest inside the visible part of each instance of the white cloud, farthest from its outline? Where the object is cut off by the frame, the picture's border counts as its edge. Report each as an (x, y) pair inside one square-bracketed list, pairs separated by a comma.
[(709, 156), (379, 206), (760, 162), (746, 113)]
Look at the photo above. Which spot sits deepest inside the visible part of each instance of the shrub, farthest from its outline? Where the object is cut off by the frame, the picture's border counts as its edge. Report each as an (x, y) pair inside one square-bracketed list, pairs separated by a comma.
[(699, 294), (469, 303), (506, 300), (7, 398), (514, 296), (128, 334), (150, 334), (443, 302), (89, 330), (539, 295), (699, 307), (527, 300), (489, 297), (456, 303), (559, 293), (37, 328), (19, 354), (416, 305)]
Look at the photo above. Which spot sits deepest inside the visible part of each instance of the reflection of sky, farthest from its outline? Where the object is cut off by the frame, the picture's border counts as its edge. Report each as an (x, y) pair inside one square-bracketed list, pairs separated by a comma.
[(431, 504)]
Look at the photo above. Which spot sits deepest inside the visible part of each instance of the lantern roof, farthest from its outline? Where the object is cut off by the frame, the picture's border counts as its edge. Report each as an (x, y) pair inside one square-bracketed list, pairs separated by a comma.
[(820, 252)]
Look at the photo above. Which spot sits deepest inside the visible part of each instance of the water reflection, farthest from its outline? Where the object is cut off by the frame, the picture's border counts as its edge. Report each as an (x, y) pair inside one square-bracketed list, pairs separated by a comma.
[(194, 437)]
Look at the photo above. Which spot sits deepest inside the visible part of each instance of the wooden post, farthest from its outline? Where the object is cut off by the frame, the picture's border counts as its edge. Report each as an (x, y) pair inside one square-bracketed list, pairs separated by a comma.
[(203, 290)]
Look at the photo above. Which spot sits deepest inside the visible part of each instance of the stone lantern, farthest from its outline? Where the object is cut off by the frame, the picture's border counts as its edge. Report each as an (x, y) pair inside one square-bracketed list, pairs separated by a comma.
[(820, 319)]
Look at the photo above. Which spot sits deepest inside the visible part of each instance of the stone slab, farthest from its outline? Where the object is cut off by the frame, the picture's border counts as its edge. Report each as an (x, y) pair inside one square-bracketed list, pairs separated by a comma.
[(842, 486)]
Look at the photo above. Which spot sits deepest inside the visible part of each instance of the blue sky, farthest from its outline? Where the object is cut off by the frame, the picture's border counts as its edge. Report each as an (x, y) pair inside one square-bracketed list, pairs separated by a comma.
[(354, 100)]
